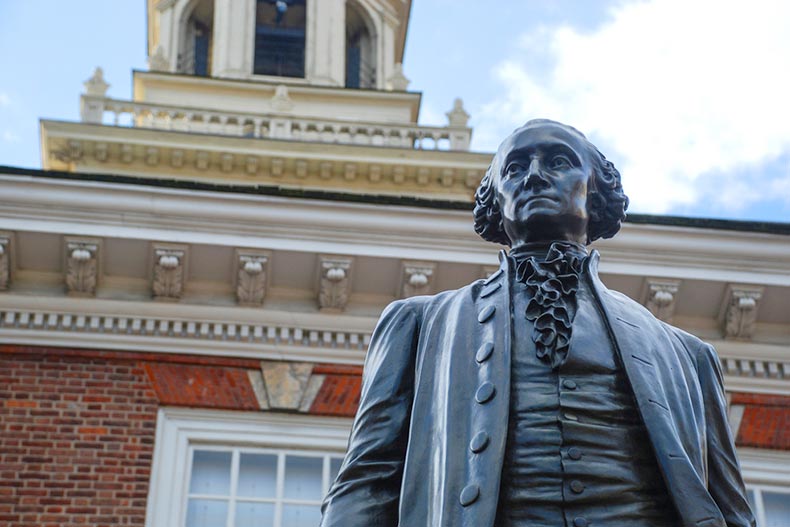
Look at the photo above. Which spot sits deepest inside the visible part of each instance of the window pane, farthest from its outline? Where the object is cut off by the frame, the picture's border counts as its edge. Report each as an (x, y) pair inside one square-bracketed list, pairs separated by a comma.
[(207, 513), (752, 502), (255, 515), (303, 478), (334, 468), (301, 515), (210, 473), (777, 509), (258, 475)]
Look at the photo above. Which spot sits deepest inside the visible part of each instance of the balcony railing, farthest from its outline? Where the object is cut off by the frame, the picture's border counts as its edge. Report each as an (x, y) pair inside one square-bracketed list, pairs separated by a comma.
[(104, 110)]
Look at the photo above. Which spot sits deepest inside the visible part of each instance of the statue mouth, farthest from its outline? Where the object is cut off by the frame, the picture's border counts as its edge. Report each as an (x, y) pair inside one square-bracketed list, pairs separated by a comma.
[(537, 197)]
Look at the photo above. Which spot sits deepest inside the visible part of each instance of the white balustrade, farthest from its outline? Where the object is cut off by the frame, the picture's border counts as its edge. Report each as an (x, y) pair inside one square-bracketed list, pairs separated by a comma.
[(104, 110)]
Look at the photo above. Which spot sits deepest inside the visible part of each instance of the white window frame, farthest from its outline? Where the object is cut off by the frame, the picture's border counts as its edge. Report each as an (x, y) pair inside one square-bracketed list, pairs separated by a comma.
[(180, 430), (765, 470)]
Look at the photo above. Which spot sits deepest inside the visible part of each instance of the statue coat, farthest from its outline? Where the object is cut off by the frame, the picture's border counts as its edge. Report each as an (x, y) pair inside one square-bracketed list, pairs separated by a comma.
[(427, 394)]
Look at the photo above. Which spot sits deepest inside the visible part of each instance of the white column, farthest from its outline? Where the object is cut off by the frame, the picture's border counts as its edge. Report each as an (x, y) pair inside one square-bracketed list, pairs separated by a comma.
[(386, 53), (165, 34), (326, 42), (233, 38)]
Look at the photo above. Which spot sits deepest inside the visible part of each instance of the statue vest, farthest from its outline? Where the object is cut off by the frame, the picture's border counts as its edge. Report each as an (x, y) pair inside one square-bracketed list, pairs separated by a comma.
[(577, 452)]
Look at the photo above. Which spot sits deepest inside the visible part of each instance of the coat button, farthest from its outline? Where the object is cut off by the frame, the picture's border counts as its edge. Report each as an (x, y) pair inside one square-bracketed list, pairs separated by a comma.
[(485, 393), (571, 417), (577, 486), (486, 313), (469, 495), (484, 352), (574, 453), (490, 290), (580, 522), (479, 442), (569, 384)]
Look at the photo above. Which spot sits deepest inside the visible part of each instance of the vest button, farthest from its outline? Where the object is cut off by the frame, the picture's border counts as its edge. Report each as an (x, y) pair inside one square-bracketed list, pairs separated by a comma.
[(580, 522), (469, 495), (485, 393), (486, 313), (571, 417), (577, 486), (479, 442), (485, 351), (569, 384), (574, 453)]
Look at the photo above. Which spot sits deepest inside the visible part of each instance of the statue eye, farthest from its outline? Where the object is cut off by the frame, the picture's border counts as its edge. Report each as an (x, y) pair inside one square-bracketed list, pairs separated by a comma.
[(514, 168), (560, 161)]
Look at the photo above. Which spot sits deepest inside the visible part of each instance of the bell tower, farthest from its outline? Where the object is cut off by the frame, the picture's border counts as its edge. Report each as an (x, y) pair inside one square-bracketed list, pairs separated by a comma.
[(300, 94), (354, 43)]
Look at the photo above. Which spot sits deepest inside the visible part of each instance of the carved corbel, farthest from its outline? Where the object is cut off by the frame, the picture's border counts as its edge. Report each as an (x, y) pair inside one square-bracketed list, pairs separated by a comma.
[(251, 276), (152, 156), (739, 311), (416, 278), (661, 297), (251, 165), (226, 162), (334, 287), (82, 267), (5, 261), (201, 160), (300, 169), (168, 280), (350, 172)]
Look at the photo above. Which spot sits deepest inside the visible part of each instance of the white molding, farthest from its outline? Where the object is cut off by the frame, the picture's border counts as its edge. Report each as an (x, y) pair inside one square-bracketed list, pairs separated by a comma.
[(765, 467), (178, 428), (187, 329), (357, 229)]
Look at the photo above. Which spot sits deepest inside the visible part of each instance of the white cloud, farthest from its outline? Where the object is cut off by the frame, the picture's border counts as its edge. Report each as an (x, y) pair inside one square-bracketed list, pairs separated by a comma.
[(5, 100), (10, 137), (671, 89)]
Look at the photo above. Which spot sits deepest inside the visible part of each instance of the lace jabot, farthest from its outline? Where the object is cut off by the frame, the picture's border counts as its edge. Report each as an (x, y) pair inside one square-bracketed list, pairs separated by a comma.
[(551, 275)]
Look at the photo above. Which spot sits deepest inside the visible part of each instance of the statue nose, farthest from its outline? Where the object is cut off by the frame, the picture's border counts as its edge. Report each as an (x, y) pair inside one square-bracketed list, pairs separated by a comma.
[(534, 177)]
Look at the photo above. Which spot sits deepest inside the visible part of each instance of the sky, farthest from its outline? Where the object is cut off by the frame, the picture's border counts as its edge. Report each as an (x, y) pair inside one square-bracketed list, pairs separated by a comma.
[(689, 98)]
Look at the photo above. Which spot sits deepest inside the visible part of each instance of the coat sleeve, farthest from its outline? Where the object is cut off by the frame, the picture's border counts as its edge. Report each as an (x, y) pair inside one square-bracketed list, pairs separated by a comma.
[(367, 489), (725, 483)]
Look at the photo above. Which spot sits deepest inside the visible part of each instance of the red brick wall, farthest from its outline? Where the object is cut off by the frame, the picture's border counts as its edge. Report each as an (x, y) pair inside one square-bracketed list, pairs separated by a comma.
[(765, 422), (76, 441)]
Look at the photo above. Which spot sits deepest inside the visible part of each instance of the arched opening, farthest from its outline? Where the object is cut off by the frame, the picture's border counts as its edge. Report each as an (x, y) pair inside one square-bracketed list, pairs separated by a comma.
[(280, 38), (194, 56), (360, 49)]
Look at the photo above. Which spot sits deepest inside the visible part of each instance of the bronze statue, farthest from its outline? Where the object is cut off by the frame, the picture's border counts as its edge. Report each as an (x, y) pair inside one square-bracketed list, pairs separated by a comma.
[(538, 397)]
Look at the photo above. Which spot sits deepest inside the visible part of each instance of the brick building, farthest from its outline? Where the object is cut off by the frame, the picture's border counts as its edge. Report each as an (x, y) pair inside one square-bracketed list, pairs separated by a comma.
[(189, 285)]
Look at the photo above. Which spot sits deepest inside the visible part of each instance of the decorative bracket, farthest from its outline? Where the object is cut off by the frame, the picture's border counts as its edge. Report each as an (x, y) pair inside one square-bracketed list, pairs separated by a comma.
[(334, 286), (82, 268), (251, 277), (5, 261), (168, 282), (739, 311), (661, 297), (416, 278)]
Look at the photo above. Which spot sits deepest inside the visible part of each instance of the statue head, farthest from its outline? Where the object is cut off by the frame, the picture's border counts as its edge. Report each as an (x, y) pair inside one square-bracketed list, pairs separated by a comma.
[(547, 183)]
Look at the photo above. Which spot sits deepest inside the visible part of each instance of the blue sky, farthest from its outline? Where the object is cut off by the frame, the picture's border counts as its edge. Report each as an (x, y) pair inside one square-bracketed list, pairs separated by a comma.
[(689, 99)]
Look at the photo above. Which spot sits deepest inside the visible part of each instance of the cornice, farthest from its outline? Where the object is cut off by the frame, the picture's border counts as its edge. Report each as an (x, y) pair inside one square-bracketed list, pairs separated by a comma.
[(357, 169), (88, 208), (262, 334), (188, 329)]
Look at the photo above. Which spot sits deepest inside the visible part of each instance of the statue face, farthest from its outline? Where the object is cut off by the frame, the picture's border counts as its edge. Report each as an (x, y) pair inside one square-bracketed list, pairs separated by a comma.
[(542, 185)]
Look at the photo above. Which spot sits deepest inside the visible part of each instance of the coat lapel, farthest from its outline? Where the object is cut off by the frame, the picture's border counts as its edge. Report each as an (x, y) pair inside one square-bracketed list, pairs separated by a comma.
[(639, 339)]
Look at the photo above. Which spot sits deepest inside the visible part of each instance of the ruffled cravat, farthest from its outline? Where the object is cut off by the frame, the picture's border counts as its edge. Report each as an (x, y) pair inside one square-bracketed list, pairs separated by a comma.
[(552, 281)]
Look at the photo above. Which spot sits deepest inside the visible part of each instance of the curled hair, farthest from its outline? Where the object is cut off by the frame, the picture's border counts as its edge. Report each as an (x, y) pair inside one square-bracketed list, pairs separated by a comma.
[(606, 201)]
